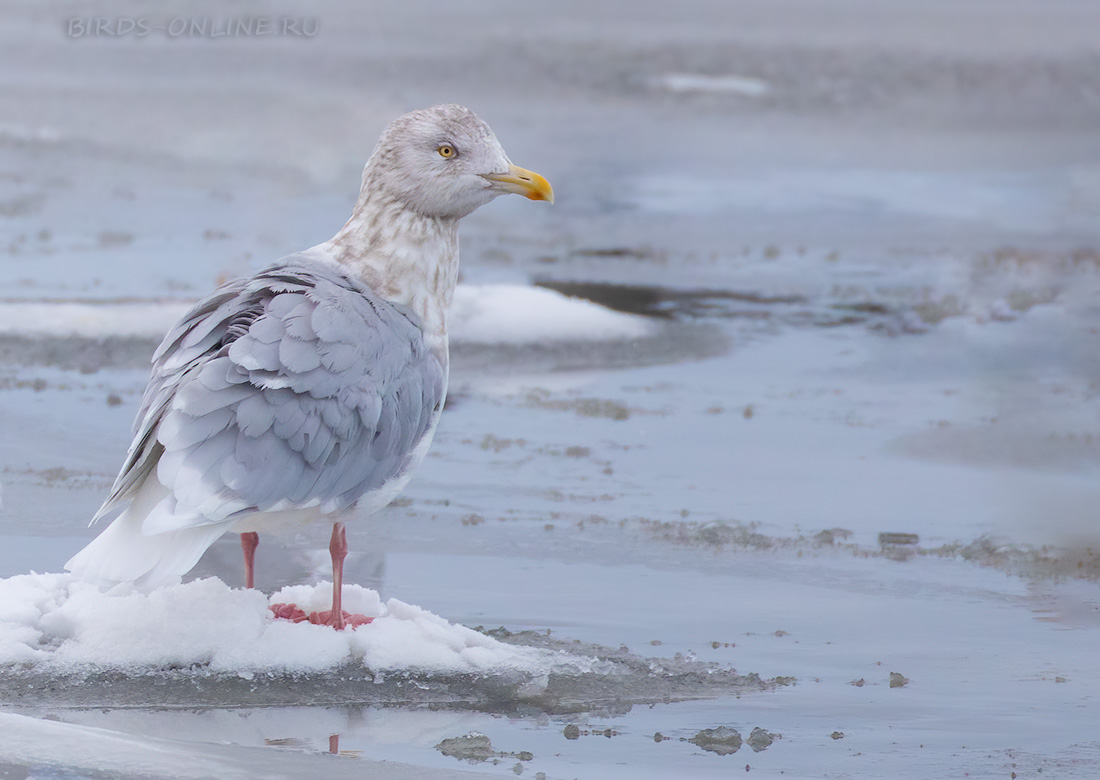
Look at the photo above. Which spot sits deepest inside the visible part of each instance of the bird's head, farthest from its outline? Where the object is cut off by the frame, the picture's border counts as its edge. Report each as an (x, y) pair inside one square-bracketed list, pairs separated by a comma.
[(445, 161)]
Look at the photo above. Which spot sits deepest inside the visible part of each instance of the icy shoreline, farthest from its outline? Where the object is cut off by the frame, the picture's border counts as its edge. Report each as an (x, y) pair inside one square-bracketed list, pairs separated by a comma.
[(202, 643)]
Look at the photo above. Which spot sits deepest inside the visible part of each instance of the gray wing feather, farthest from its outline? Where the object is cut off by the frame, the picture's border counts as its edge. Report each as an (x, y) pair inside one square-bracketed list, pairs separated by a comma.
[(298, 385)]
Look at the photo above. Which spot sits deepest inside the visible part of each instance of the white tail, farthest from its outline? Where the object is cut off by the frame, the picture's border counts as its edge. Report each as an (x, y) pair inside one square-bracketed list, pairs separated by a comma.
[(122, 553)]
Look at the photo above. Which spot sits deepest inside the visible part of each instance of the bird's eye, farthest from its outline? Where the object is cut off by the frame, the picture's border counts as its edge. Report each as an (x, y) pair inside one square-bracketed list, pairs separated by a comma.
[(446, 150)]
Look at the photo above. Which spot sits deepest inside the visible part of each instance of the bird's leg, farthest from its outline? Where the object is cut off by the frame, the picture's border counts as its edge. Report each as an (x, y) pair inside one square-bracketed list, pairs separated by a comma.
[(338, 547), (336, 617), (249, 542)]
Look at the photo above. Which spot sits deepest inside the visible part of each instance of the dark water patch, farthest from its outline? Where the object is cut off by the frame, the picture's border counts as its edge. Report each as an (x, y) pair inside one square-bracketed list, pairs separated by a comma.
[(613, 252), (747, 306), (892, 537), (671, 303), (862, 308)]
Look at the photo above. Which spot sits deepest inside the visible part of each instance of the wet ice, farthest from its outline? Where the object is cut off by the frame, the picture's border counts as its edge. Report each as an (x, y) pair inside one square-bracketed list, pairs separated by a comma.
[(870, 304)]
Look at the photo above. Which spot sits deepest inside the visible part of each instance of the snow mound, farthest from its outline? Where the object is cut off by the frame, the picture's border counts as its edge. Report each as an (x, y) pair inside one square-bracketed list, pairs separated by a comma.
[(516, 314), (484, 314), (58, 624)]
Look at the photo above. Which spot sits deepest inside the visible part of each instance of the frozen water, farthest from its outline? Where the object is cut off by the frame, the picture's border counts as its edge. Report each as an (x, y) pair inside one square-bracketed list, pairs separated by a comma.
[(50, 750), (843, 424)]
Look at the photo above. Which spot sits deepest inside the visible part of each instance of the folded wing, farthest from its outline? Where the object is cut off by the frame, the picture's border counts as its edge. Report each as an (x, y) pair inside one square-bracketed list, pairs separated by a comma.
[(295, 388)]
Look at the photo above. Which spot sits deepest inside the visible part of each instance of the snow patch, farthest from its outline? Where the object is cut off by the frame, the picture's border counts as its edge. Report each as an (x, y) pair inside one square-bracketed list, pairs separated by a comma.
[(59, 624), (494, 314), (515, 314)]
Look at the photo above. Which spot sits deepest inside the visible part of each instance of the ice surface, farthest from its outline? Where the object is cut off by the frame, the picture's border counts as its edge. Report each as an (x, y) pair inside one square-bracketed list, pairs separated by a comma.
[(873, 300), (38, 749)]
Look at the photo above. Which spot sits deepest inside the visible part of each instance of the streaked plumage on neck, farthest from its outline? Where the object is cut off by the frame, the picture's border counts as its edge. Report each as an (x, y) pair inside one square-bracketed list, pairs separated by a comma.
[(402, 237), (406, 257)]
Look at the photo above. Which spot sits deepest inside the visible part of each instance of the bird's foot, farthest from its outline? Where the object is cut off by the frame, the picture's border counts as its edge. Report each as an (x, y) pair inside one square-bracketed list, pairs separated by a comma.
[(351, 619), (291, 612), (296, 614)]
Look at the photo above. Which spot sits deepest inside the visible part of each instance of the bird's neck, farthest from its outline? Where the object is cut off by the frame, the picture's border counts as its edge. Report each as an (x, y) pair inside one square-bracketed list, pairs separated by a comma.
[(404, 256)]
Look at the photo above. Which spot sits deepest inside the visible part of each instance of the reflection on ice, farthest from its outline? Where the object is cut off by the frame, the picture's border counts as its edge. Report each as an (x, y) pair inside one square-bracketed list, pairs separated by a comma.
[(51, 750)]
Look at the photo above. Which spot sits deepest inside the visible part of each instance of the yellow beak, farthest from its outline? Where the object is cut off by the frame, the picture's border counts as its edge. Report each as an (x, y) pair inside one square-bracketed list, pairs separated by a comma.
[(523, 182)]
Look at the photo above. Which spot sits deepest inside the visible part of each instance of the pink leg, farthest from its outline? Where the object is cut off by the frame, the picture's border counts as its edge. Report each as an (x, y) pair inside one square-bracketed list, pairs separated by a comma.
[(334, 743), (336, 617), (338, 547), (249, 542)]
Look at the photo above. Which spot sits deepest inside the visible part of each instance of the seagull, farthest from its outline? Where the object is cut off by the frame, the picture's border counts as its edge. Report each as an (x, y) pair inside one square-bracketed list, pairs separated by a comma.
[(313, 388)]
